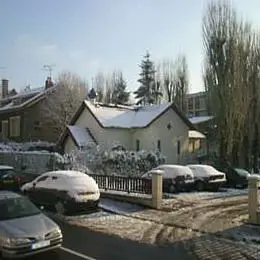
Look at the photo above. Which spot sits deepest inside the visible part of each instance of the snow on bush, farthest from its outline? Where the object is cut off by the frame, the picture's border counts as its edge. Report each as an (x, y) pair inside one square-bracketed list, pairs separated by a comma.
[(27, 146), (117, 161), (35, 158)]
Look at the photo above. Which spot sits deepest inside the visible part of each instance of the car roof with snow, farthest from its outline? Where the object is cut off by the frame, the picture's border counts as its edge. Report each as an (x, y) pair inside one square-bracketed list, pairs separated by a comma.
[(171, 166), (65, 173), (6, 167), (200, 165)]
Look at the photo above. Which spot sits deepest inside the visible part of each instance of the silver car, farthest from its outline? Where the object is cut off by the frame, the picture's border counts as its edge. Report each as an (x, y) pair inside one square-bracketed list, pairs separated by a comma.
[(24, 229)]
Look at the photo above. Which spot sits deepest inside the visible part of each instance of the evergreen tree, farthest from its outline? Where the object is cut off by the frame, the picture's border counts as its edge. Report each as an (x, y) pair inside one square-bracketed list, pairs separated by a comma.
[(148, 92), (120, 95)]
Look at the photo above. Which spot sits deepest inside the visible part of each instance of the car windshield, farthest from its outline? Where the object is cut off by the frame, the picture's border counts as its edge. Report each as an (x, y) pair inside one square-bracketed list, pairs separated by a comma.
[(7, 172), (20, 207), (242, 172)]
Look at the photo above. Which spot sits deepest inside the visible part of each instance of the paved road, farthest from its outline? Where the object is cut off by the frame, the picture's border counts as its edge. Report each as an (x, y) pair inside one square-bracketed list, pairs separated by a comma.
[(80, 243)]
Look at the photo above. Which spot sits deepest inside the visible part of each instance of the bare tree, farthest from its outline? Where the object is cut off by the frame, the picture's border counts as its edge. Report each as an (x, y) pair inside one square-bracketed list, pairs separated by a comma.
[(174, 80), (99, 84), (229, 44), (62, 103)]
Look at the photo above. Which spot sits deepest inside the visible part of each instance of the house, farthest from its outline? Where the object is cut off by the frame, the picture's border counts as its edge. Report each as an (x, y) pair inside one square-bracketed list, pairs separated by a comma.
[(196, 104), (155, 127), (21, 114)]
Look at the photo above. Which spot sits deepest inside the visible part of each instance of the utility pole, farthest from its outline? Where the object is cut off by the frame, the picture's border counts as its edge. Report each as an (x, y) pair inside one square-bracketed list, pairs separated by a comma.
[(49, 68)]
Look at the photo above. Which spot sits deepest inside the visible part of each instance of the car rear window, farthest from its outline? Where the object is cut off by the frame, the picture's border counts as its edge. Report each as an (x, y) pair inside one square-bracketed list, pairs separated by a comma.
[(78, 180)]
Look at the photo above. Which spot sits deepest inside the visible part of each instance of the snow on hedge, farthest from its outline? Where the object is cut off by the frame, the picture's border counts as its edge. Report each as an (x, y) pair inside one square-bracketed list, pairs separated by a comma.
[(38, 157), (117, 161), (27, 146)]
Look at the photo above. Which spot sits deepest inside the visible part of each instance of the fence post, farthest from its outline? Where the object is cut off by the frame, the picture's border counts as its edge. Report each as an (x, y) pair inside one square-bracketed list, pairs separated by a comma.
[(106, 182), (253, 199), (157, 189)]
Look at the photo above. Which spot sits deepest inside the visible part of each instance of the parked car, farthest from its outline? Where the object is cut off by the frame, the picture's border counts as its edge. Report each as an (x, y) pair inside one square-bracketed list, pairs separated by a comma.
[(175, 177), (207, 177), (9, 179), (64, 192), (236, 177), (24, 229)]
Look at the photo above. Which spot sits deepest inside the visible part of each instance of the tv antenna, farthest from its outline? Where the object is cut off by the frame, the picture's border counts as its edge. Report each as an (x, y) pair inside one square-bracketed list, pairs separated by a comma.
[(49, 68)]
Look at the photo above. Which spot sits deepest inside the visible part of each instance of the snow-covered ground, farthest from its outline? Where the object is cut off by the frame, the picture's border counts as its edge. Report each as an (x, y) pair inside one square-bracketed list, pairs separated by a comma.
[(212, 227), (207, 195), (119, 207)]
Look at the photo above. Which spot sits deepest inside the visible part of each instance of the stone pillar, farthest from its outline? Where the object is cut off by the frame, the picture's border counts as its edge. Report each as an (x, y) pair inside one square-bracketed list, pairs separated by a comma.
[(253, 198), (157, 189)]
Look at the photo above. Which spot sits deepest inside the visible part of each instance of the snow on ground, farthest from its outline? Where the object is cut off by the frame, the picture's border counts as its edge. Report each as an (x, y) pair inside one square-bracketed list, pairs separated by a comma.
[(207, 195), (119, 207), (211, 229)]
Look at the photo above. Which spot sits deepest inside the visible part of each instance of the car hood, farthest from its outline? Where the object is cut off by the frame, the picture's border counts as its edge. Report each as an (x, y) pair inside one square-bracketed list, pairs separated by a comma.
[(28, 226)]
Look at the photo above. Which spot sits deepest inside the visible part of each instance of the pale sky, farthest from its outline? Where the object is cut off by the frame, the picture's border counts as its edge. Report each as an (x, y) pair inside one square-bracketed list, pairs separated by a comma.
[(85, 36)]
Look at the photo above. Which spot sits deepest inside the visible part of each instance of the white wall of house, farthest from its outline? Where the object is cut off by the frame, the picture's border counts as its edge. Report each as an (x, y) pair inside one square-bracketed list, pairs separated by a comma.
[(106, 137), (158, 130), (69, 145), (148, 137)]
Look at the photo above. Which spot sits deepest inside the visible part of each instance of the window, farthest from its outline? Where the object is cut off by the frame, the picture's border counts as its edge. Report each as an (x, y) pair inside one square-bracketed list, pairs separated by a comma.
[(137, 145), (197, 102), (159, 145), (178, 147), (190, 103), (14, 126), (5, 127), (43, 178), (197, 113)]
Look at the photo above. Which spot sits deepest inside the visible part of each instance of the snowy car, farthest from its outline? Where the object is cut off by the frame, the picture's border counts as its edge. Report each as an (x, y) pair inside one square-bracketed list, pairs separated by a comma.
[(10, 179), (175, 177), (64, 192), (207, 177)]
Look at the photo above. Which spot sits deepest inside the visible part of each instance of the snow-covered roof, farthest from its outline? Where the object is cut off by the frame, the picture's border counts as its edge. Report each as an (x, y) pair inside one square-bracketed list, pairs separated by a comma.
[(81, 135), (25, 97), (6, 167), (196, 134), (126, 117), (200, 119)]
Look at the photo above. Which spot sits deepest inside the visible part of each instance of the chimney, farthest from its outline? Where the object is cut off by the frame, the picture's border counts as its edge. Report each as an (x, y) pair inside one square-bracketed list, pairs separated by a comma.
[(5, 83)]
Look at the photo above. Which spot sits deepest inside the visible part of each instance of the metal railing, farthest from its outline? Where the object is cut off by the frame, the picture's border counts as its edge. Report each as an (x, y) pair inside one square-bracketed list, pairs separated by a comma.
[(124, 184)]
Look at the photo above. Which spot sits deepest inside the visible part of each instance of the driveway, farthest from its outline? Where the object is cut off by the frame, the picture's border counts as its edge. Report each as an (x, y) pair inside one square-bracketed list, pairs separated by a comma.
[(80, 243)]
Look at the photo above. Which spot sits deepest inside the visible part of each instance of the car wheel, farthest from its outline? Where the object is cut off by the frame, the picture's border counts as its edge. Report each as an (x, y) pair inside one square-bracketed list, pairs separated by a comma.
[(200, 186), (59, 208)]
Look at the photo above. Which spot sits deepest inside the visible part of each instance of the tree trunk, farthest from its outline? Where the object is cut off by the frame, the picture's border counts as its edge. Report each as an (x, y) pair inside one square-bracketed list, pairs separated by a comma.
[(255, 147)]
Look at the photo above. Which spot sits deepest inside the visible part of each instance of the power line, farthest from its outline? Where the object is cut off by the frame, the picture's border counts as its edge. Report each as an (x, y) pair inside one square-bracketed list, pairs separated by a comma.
[(49, 68)]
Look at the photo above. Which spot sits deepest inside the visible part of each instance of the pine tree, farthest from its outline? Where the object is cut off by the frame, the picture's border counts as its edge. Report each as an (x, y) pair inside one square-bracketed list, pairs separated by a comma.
[(120, 95), (147, 93)]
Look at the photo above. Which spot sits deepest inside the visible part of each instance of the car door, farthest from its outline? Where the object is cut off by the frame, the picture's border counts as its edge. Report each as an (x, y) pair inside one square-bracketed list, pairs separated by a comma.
[(52, 193), (38, 190)]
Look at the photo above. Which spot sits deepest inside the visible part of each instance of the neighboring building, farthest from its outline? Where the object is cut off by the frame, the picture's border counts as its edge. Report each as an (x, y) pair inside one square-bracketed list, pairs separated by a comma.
[(196, 104), (155, 127), (21, 115)]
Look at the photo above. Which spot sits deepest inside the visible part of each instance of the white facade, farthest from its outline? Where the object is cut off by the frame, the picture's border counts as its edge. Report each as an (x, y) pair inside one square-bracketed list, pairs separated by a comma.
[(157, 135)]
